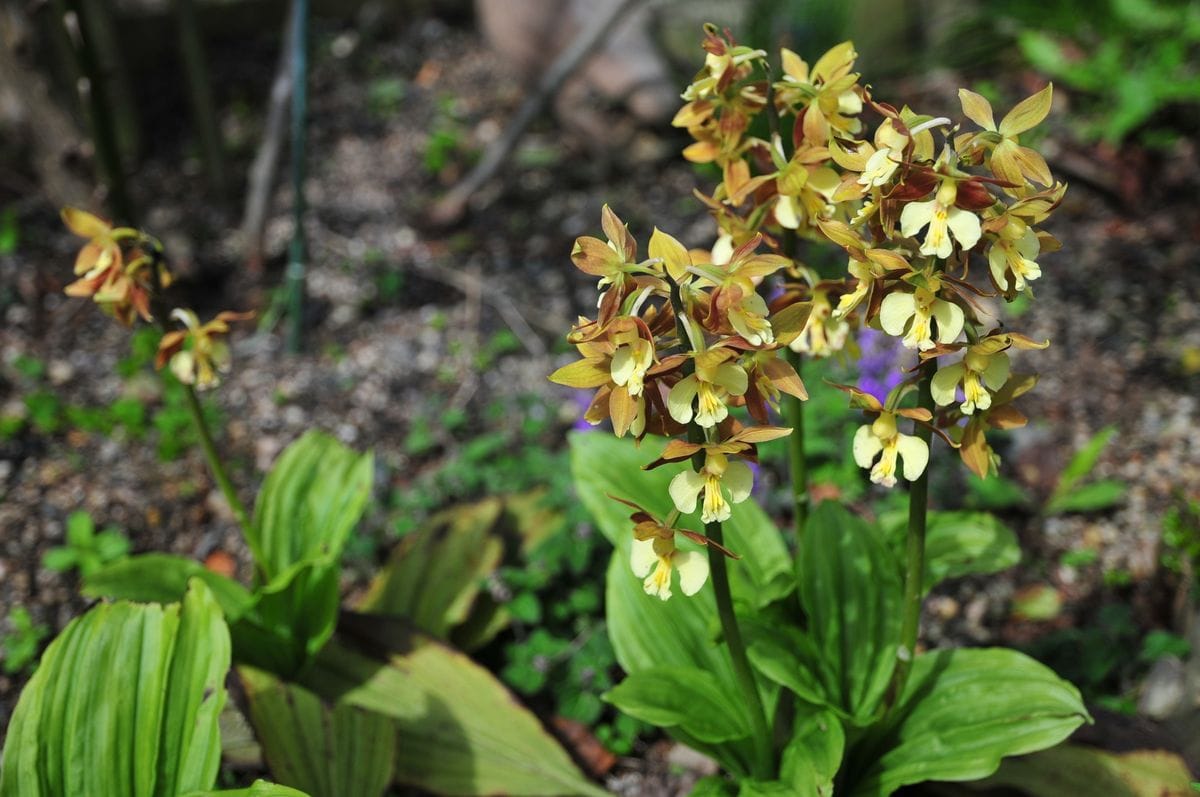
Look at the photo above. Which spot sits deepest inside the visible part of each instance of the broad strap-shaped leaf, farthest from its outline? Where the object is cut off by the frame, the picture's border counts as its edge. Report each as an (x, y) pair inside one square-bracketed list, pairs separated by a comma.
[(684, 697), (290, 619), (433, 576), (259, 788), (1076, 769), (957, 544), (850, 591), (73, 732), (309, 503), (163, 578), (963, 711), (460, 730), (326, 751), (814, 754)]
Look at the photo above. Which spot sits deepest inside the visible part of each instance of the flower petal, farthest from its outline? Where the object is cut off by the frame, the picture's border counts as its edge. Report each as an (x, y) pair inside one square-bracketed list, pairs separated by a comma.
[(945, 383), (964, 225), (642, 557), (915, 216), (894, 312), (866, 446), (950, 320), (693, 570), (738, 479), (679, 400), (685, 489), (914, 454)]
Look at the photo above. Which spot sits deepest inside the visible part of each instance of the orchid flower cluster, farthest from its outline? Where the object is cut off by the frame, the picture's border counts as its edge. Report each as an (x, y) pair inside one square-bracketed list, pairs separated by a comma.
[(123, 271), (683, 337)]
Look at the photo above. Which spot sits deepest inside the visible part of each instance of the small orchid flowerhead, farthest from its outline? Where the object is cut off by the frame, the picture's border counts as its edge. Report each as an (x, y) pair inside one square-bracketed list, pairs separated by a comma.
[(654, 555), (1012, 256), (195, 354), (120, 282), (945, 222), (703, 394), (722, 483), (878, 445), (912, 315)]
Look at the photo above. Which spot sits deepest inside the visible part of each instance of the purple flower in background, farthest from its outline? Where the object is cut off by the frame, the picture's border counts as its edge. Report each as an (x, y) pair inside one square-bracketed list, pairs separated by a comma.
[(583, 398), (882, 364)]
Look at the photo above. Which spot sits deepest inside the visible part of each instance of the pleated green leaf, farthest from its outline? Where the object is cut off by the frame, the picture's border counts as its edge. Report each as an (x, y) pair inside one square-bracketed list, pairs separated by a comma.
[(309, 503), (459, 730), (683, 697), (850, 591), (962, 712), (163, 578), (326, 751), (814, 754), (433, 576), (957, 544), (290, 619), (124, 704), (259, 788)]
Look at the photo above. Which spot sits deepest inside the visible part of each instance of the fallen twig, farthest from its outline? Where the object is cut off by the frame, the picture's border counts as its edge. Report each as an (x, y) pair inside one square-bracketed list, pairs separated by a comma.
[(453, 206)]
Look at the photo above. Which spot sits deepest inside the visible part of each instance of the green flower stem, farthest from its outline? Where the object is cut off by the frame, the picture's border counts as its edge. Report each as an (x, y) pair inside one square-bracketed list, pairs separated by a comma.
[(914, 566), (763, 767), (214, 460), (793, 413)]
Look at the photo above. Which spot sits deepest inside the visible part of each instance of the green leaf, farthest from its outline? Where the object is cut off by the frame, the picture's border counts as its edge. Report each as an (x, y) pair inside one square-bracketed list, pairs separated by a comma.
[(326, 751), (111, 544), (309, 503), (290, 619), (685, 697), (460, 731), (814, 754), (1076, 769), (962, 712), (433, 576), (957, 544), (1083, 462), (259, 788), (80, 529), (850, 591), (71, 733), (163, 578), (1093, 497), (713, 786), (60, 560)]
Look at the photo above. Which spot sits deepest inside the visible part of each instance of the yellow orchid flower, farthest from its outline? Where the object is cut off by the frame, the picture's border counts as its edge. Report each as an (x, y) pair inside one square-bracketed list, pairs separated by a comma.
[(723, 483), (881, 439), (824, 334), (921, 307), (654, 560), (1013, 252), (944, 221), (200, 362), (714, 380)]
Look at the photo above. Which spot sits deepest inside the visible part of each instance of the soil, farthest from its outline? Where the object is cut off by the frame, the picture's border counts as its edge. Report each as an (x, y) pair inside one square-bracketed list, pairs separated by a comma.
[(1119, 303)]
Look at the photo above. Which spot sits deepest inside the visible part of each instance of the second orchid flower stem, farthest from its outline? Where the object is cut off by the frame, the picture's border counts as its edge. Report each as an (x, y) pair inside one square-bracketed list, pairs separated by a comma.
[(914, 559), (214, 460)]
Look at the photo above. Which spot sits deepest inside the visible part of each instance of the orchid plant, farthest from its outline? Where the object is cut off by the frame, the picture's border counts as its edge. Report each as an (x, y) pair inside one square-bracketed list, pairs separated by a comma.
[(703, 346)]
